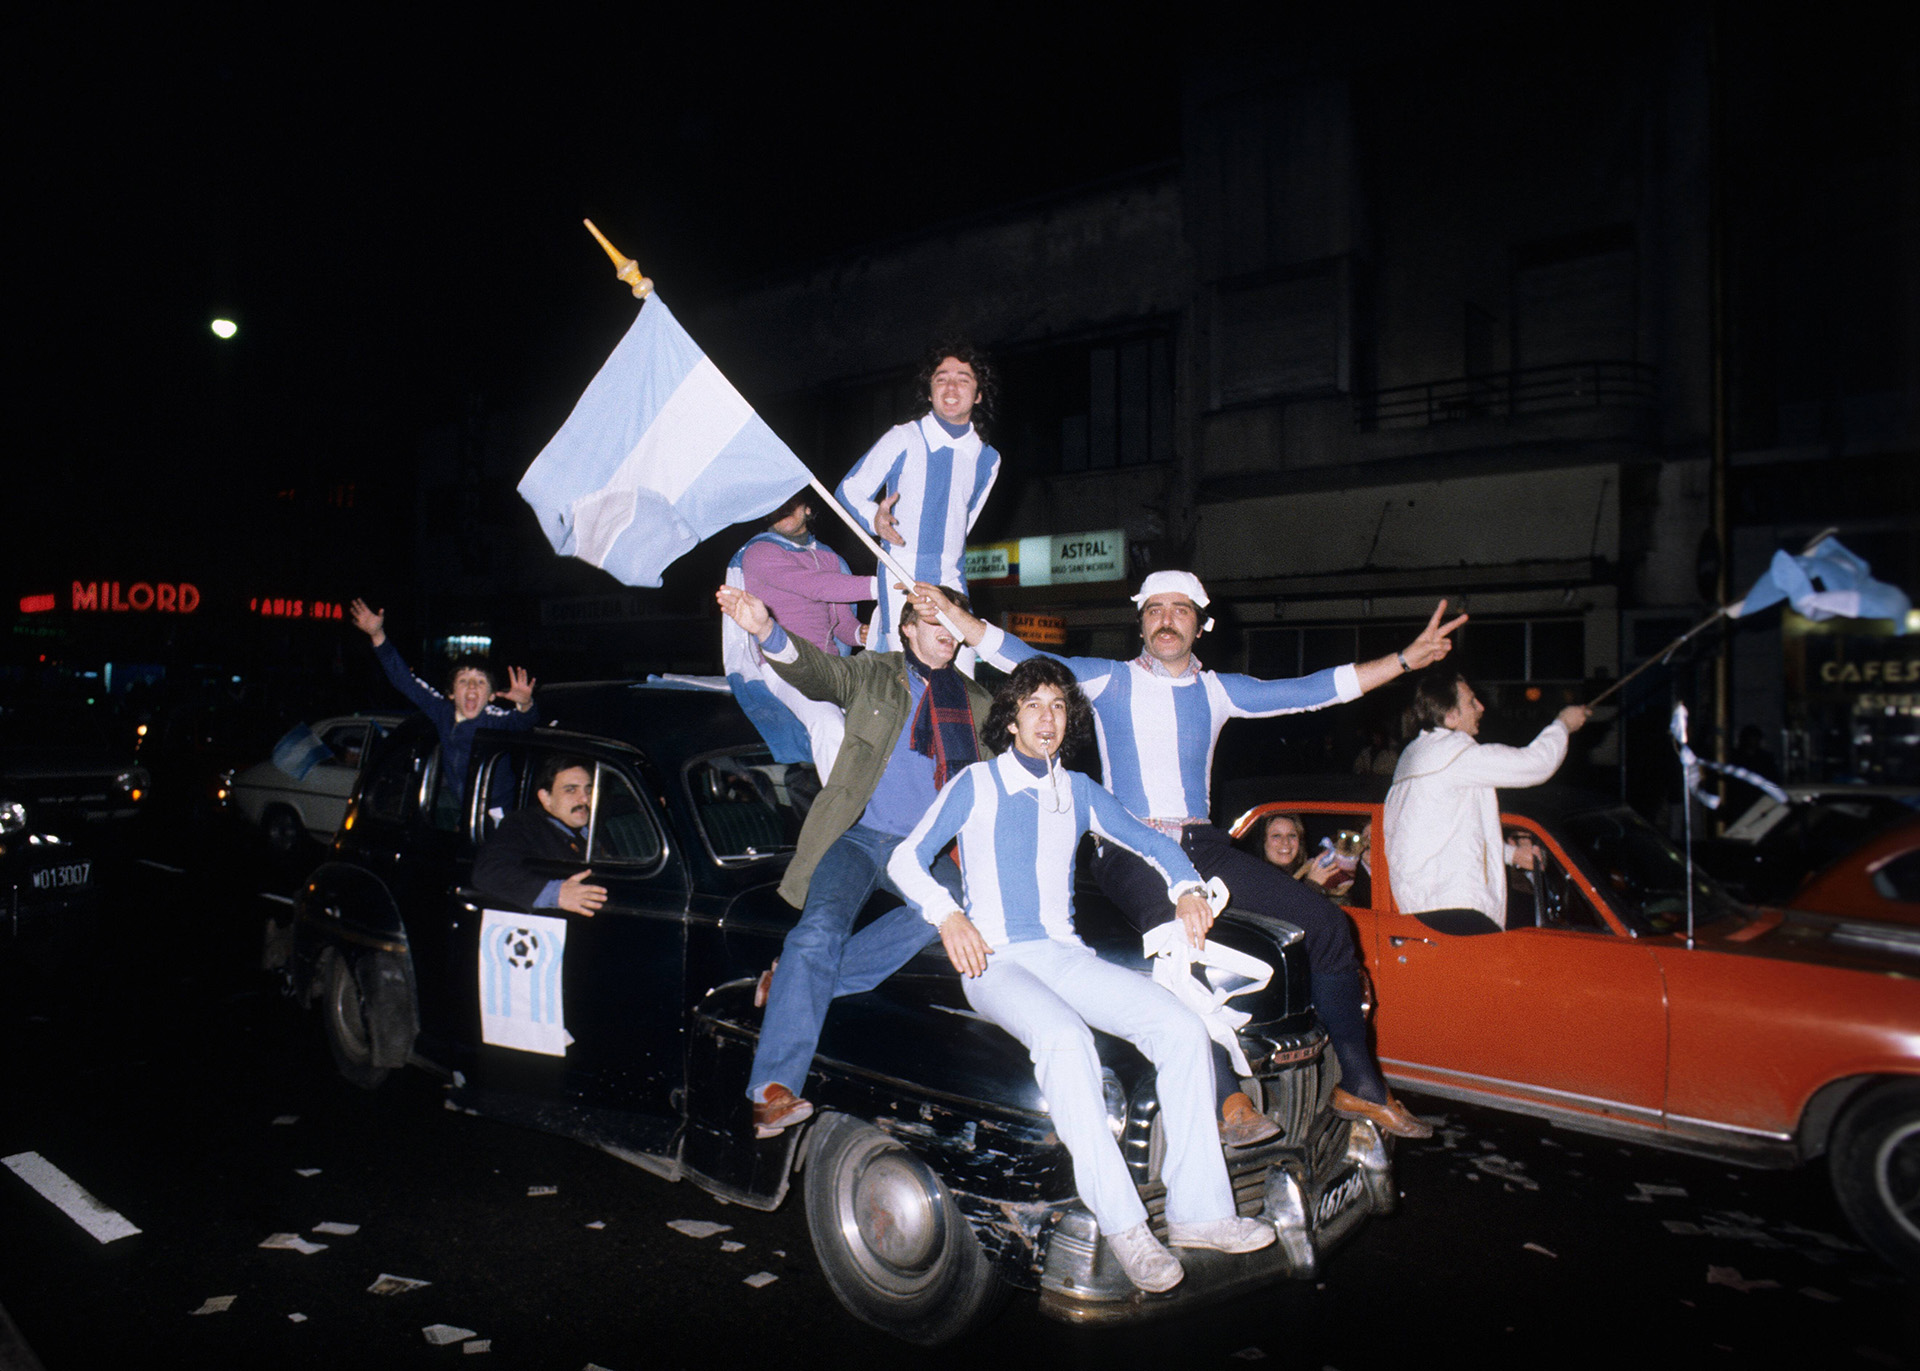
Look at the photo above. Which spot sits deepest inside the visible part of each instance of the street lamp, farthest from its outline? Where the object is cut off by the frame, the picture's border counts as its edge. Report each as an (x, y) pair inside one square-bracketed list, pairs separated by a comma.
[(225, 328)]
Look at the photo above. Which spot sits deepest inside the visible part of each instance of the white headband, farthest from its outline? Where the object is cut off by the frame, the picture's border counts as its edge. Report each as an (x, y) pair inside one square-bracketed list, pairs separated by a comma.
[(1174, 583)]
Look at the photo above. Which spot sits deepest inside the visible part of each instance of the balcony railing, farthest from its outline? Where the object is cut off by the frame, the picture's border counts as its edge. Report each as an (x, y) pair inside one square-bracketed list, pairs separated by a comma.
[(1508, 394)]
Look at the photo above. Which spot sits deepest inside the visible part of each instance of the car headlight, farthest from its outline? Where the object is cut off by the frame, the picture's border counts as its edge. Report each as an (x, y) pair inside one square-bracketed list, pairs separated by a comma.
[(132, 783), (13, 816)]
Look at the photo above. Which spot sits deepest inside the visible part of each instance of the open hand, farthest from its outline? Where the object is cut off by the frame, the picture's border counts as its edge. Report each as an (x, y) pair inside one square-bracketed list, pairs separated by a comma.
[(884, 522), (748, 611), (577, 897), (372, 622), (519, 688), (966, 949)]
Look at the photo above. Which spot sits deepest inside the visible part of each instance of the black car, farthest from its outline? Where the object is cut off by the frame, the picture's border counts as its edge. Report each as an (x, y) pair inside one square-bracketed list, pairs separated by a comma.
[(48, 892), (931, 1176), (61, 763)]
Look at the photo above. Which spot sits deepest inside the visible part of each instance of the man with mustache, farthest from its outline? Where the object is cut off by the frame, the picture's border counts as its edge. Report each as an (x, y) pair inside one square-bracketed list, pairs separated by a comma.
[(515, 864), (912, 720), (1158, 717)]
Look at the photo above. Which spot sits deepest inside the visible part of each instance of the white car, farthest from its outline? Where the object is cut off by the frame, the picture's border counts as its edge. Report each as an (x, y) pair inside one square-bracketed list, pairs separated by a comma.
[(288, 811)]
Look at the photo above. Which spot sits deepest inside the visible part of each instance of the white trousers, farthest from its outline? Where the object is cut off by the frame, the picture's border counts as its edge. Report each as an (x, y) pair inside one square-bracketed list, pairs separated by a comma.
[(1047, 993), (825, 723)]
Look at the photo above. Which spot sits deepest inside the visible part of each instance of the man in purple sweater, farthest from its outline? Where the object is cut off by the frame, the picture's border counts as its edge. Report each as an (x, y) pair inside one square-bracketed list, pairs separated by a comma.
[(808, 588)]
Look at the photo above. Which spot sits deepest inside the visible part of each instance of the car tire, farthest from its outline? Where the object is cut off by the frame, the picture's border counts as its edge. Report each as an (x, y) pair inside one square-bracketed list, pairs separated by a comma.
[(349, 1036), (1874, 1158), (891, 1241), (283, 829)]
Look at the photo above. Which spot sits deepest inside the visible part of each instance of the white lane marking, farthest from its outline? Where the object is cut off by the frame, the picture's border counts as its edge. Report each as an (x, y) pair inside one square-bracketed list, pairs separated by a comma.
[(277, 899), (68, 1195), (162, 866)]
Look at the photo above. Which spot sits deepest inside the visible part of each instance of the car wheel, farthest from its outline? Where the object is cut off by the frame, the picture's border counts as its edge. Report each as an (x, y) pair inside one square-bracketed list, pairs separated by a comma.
[(283, 830), (891, 1241), (348, 1035), (1874, 1156)]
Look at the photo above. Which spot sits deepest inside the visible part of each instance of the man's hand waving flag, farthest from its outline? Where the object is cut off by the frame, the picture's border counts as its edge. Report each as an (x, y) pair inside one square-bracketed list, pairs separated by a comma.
[(660, 453)]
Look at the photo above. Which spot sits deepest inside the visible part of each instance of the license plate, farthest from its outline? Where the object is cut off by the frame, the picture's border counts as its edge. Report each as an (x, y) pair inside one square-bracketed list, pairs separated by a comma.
[(63, 877), (1339, 1197)]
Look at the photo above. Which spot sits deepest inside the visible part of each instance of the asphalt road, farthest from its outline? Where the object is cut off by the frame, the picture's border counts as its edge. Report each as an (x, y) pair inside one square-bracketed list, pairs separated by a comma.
[(166, 1077)]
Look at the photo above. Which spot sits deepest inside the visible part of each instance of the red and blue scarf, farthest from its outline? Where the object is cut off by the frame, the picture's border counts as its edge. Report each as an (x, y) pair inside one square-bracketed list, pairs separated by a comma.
[(943, 723)]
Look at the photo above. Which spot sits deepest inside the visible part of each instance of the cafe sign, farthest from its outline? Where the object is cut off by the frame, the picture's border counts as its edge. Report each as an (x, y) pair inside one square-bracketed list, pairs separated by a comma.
[(1050, 559)]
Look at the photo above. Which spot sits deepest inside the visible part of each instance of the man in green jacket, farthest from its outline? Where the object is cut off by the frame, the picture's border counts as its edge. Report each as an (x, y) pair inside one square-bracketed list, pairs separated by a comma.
[(912, 721)]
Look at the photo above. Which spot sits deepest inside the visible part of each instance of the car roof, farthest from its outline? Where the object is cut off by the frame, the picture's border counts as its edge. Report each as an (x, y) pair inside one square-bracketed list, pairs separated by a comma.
[(1547, 803), (672, 724)]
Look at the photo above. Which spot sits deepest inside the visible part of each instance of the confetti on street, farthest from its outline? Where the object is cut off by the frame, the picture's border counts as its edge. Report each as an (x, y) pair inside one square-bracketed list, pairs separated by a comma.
[(293, 1242), (760, 1280), (1536, 1247), (440, 1334), (731, 1246), (395, 1285), (307, 1171), (534, 1190), (215, 1304), (1730, 1277), (281, 1121), (337, 1230), (698, 1228)]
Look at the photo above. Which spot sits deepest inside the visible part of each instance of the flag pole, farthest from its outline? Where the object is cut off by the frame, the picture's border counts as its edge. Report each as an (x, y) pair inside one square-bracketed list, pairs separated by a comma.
[(1725, 611), (628, 270)]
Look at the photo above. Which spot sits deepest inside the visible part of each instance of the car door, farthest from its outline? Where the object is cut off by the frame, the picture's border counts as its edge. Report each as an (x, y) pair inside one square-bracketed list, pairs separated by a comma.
[(1569, 1015), (622, 1000), (330, 785)]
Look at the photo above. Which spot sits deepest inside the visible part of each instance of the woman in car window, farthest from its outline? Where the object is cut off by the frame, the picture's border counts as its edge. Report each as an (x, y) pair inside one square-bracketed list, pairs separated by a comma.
[(1282, 842)]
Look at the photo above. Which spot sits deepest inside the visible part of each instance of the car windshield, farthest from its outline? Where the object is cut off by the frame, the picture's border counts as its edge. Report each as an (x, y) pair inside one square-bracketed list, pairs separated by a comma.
[(1642, 875), (749, 805)]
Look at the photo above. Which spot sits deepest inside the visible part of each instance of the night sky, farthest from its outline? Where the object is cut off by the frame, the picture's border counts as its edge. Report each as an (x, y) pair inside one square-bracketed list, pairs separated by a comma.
[(392, 215)]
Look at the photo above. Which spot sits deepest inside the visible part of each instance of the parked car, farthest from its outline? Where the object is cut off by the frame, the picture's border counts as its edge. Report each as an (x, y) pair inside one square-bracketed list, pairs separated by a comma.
[(931, 1176), (1770, 848), (1875, 889), (66, 770), (48, 892), (289, 810), (1766, 1038)]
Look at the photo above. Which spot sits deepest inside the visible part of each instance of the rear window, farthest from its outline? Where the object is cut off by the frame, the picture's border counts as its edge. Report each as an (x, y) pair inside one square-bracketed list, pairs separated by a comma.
[(748, 805)]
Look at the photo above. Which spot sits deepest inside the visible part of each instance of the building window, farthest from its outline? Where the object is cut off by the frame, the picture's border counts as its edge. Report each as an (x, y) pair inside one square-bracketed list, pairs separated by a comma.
[(1490, 652)]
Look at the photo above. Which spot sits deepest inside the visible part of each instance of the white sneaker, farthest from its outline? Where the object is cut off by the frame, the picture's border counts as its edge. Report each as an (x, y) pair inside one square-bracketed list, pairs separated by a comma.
[(1222, 1235), (1147, 1264)]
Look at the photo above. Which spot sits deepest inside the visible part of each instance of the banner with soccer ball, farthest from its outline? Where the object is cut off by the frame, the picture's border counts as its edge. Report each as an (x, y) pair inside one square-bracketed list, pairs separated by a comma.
[(521, 958)]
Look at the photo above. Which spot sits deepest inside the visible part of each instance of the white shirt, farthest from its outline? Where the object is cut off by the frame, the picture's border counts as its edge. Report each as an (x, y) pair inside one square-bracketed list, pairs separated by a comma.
[(1442, 820)]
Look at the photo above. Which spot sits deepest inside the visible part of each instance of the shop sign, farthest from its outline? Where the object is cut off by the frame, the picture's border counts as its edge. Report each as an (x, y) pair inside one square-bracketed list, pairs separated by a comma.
[(1050, 559), (138, 597), (280, 607), (1036, 630)]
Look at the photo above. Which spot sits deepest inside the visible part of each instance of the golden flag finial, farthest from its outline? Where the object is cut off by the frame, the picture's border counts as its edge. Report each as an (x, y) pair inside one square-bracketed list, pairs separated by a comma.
[(625, 268)]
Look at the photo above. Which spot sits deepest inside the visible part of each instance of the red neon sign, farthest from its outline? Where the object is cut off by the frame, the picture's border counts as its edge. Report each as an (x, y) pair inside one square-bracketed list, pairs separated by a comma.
[(280, 608), (160, 597), (38, 604)]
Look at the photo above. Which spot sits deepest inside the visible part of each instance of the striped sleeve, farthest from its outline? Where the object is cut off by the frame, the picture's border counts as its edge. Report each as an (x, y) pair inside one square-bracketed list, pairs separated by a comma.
[(1109, 820), (1249, 697), (985, 474), (1001, 649), (859, 489), (911, 863)]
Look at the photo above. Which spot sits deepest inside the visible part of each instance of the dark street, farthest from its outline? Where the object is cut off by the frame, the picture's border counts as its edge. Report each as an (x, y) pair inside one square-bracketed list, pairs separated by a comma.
[(171, 1082)]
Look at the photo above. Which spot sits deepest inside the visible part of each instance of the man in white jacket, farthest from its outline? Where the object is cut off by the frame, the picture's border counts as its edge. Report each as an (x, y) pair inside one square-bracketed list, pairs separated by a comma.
[(1444, 849)]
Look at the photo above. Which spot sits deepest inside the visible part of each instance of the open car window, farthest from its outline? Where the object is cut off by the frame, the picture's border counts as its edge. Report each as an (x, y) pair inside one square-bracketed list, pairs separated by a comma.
[(622, 829), (1548, 896), (749, 806)]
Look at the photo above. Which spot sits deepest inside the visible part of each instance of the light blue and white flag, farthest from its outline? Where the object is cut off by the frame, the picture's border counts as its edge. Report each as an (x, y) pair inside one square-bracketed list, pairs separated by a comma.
[(1691, 765), (299, 752), (660, 452), (522, 957), (1826, 582)]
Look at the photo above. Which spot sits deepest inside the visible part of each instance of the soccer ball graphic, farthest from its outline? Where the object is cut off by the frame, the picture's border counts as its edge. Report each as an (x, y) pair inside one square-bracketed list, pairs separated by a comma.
[(523, 948)]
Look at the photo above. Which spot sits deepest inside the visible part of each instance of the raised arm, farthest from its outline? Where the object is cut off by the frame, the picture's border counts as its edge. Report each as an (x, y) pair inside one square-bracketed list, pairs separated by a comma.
[(999, 647), (1495, 764), (1433, 643), (815, 674)]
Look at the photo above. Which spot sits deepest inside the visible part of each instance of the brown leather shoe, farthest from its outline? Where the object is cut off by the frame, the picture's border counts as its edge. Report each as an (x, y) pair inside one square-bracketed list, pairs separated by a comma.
[(764, 987), (783, 1109), (1392, 1117), (1241, 1125)]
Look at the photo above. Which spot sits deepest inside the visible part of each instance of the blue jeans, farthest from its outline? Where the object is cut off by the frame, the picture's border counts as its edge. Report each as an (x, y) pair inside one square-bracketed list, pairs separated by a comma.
[(819, 961)]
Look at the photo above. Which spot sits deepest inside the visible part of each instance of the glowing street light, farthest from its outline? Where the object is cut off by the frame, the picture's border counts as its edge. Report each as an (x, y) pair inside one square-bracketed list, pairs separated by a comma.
[(225, 328)]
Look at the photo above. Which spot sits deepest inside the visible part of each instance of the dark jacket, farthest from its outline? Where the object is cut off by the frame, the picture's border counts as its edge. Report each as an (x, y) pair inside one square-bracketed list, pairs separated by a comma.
[(456, 736), (872, 688), (504, 869)]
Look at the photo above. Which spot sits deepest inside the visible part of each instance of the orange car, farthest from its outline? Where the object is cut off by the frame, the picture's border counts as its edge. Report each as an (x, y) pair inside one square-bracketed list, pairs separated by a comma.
[(1766, 1038), (1879, 881)]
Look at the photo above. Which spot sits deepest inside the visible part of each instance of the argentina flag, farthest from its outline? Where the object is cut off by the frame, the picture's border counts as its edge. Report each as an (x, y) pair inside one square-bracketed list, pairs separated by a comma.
[(299, 752), (522, 957), (660, 452), (1826, 582)]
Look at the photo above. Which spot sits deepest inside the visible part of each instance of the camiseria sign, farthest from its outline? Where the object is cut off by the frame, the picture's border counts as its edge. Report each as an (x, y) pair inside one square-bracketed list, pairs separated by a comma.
[(1051, 559)]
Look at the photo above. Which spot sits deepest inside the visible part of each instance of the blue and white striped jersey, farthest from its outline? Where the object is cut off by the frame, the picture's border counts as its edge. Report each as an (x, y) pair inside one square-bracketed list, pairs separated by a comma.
[(1157, 733), (943, 481), (1018, 836)]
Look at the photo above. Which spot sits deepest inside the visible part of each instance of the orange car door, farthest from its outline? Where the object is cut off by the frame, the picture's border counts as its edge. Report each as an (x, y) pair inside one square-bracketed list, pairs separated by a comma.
[(1571, 1016)]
